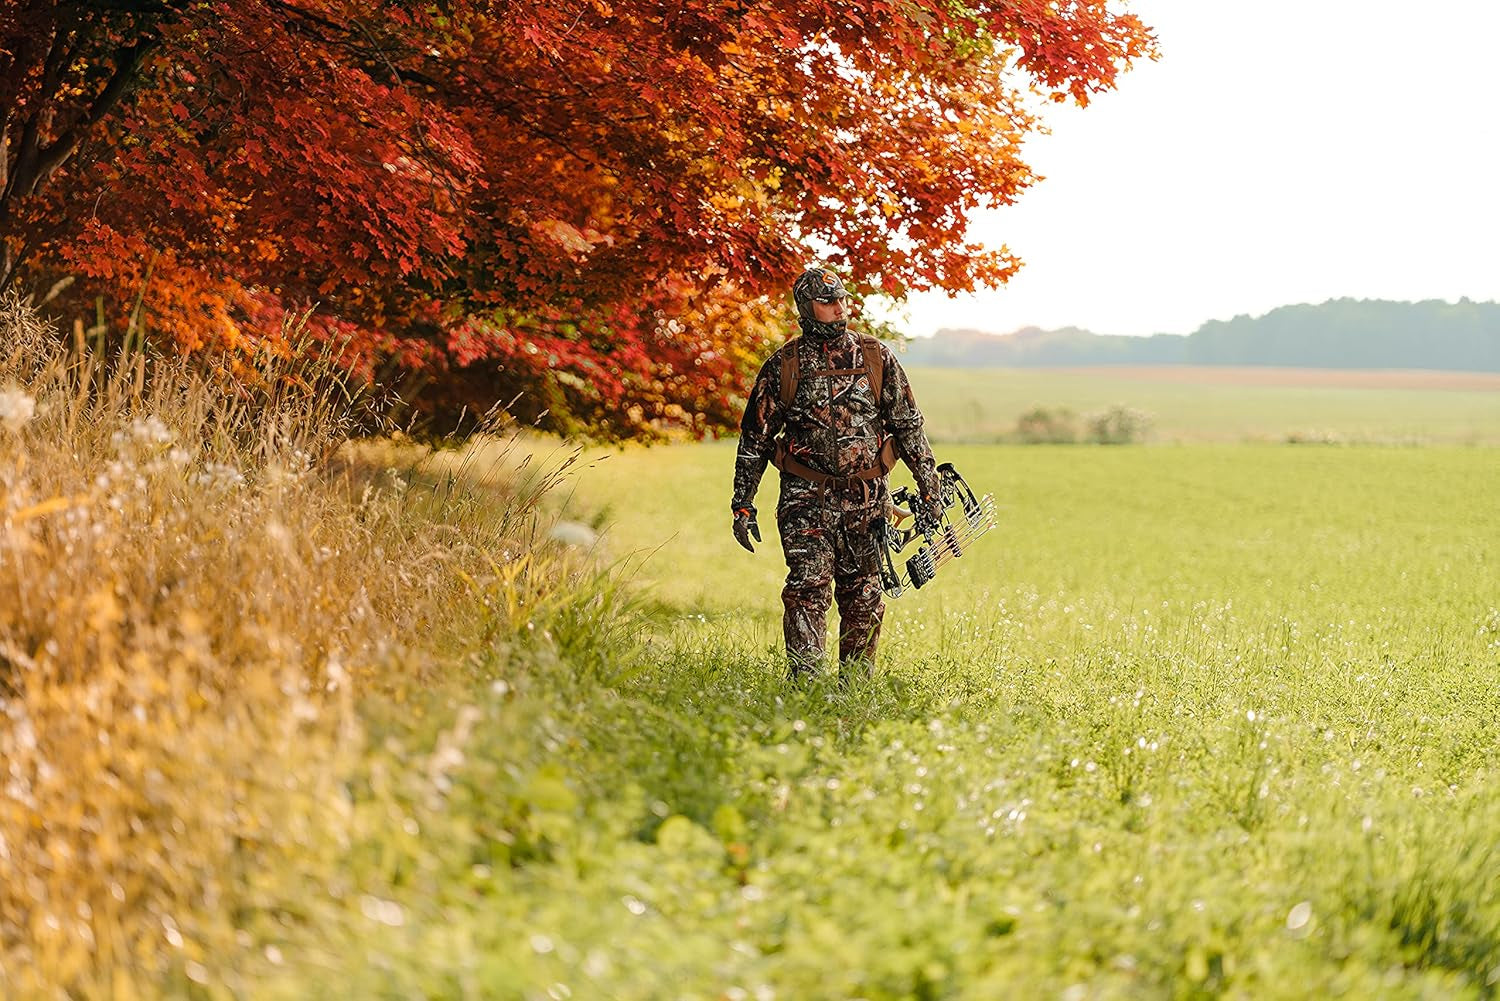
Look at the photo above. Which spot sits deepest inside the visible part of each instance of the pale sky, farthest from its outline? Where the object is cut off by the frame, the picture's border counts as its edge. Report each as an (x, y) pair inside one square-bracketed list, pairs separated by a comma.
[(1280, 151)]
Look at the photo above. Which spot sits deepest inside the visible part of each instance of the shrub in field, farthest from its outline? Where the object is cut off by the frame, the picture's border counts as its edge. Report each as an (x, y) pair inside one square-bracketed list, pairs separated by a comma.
[(1314, 437), (205, 594), (1117, 425), (1048, 426)]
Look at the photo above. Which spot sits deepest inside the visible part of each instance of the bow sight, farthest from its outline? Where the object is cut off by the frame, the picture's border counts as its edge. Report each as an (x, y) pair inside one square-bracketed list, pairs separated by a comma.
[(952, 537)]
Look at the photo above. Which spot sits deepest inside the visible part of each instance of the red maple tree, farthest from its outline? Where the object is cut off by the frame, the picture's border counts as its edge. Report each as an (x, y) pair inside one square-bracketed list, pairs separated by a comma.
[(596, 204)]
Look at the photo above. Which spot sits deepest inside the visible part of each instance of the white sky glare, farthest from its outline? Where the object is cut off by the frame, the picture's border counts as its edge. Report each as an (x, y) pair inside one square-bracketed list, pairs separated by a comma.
[(1279, 152)]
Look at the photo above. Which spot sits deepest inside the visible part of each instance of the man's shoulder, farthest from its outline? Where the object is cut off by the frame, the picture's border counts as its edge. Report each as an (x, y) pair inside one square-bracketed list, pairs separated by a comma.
[(771, 367), (886, 348), (787, 347)]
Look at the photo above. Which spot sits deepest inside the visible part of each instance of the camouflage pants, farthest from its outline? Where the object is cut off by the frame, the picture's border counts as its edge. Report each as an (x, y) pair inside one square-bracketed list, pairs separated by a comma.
[(824, 547)]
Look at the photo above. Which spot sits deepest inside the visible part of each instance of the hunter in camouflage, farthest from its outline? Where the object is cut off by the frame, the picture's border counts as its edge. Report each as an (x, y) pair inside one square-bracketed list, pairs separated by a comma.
[(814, 413)]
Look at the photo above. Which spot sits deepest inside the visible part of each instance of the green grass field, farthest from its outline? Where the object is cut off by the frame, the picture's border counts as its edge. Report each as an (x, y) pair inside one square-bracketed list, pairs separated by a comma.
[(1195, 721), (980, 405), (1260, 524)]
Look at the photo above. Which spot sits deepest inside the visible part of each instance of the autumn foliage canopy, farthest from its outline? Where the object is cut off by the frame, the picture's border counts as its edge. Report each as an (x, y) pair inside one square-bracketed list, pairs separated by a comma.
[(597, 205)]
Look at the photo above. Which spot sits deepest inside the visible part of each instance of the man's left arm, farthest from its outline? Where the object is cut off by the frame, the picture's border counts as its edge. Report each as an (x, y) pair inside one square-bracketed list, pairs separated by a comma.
[(903, 421)]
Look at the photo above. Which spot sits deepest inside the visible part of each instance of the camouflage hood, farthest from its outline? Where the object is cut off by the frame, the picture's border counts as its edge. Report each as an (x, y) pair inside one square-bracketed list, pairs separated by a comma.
[(818, 285)]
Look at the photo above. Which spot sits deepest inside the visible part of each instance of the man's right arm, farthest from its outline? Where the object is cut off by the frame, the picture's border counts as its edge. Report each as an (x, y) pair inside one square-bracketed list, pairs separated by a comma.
[(758, 430)]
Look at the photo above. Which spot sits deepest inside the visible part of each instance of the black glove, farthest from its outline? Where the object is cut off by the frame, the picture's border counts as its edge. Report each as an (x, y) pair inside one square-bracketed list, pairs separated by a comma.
[(745, 527)]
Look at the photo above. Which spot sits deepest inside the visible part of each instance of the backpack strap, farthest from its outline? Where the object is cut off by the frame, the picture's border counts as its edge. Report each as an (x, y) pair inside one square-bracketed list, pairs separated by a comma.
[(875, 372), (874, 364), (873, 369), (790, 370)]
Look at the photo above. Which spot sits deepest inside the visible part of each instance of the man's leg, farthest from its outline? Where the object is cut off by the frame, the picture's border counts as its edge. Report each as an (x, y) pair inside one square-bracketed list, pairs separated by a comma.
[(860, 598), (808, 549), (861, 609)]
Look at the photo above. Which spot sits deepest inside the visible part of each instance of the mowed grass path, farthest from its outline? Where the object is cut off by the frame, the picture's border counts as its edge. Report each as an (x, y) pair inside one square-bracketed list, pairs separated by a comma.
[(1194, 721), (1225, 404)]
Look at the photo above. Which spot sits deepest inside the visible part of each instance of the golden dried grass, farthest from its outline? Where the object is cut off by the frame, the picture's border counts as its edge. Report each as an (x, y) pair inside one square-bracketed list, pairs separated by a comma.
[(196, 585)]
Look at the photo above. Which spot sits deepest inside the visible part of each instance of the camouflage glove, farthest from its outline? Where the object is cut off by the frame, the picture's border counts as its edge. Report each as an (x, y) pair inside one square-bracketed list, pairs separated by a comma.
[(745, 527), (929, 519)]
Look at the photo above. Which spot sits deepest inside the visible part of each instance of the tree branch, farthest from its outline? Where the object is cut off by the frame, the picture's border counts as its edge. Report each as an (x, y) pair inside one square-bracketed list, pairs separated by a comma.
[(55, 154), (31, 130)]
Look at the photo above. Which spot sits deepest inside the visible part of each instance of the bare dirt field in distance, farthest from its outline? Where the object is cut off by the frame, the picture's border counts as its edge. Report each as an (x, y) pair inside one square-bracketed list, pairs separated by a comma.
[(1222, 403), (1246, 375)]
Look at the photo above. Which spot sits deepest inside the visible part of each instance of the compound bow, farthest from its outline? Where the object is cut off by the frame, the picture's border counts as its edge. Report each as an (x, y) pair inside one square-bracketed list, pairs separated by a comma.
[(965, 518)]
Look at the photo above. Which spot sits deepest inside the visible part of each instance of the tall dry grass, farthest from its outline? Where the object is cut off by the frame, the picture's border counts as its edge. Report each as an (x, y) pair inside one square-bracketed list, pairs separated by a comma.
[(200, 583)]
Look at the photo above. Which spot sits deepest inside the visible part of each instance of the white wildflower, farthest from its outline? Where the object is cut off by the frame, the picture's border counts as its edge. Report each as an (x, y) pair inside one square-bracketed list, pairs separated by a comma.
[(386, 912), (574, 533), (16, 409), (219, 474), (150, 431), (141, 435)]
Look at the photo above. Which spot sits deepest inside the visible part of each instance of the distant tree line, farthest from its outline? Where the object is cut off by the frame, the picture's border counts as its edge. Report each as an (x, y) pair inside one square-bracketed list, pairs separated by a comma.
[(1340, 333)]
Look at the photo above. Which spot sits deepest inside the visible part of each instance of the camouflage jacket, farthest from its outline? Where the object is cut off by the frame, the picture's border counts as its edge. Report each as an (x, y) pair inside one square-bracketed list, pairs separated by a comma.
[(833, 425)]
